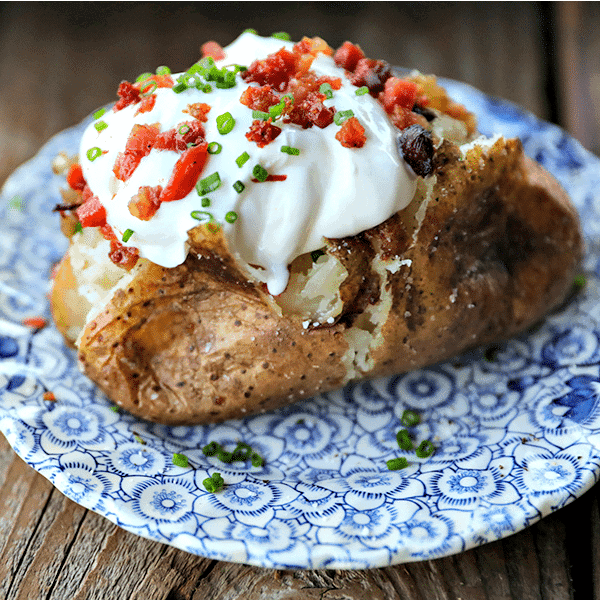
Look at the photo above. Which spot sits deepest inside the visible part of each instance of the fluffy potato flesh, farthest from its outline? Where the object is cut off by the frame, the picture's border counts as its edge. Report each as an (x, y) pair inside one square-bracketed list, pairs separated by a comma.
[(489, 245)]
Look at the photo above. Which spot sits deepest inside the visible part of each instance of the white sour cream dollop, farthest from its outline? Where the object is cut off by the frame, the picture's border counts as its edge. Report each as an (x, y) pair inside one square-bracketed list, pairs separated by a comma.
[(330, 191)]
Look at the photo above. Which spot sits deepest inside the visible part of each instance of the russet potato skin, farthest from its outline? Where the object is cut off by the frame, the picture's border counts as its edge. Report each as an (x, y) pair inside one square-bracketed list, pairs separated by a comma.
[(498, 247)]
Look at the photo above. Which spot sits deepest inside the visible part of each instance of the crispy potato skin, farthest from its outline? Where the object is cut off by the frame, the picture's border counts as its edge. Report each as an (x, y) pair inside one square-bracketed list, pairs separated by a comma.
[(498, 247)]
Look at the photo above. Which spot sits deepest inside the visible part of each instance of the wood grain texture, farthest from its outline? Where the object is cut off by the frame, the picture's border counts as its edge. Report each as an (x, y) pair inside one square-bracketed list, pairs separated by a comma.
[(58, 62)]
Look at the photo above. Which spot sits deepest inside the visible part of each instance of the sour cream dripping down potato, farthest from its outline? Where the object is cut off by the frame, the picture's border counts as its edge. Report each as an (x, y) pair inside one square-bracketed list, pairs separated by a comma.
[(310, 220)]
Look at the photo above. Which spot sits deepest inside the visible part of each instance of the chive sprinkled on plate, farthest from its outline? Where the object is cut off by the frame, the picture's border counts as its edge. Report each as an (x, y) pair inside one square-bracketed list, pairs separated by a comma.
[(410, 418), (242, 159), (93, 153), (290, 150), (395, 464), (181, 460), (231, 216), (239, 187), (404, 441), (425, 449), (214, 483), (260, 173), (208, 184), (127, 235)]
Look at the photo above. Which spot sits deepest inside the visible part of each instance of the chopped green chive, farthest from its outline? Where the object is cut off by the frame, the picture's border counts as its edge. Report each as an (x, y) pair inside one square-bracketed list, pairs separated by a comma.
[(208, 184), (79, 228), (211, 449), (290, 150), (93, 153), (180, 460), (100, 125), (214, 483), (341, 116), (202, 215), (250, 30), (316, 254), (276, 110), (579, 282), (114, 408), (179, 87), (205, 202), (163, 70), (128, 233), (260, 173), (183, 129), (242, 159), (241, 453), (361, 91), (99, 113), (231, 216), (281, 35), (142, 77), (259, 114), (149, 88), (326, 89), (410, 418), (138, 439), (207, 89), (425, 449), (214, 148), (16, 203), (395, 464), (239, 187), (225, 123), (404, 441)]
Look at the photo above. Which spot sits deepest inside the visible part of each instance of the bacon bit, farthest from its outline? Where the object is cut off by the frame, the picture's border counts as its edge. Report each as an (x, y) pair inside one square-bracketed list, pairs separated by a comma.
[(35, 322), (139, 143), (271, 178), (372, 73), (91, 213), (259, 98), (351, 134), (198, 110), (146, 202), (399, 92), (276, 70), (334, 82), (313, 46), (49, 397), (347, 56), (212, 49), (123, 256), (185, 173), (262, 132), (405, 117), (146, 105), (178, 142), (128, 94), (162, 81), (75, 178)]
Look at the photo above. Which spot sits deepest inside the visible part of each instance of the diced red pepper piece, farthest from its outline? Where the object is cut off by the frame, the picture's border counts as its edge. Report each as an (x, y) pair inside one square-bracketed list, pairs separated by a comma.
[(351, 134), (75, 178), (139, 143), (399, 92), (146, 202), (262, 132), (91, 213), (35, 322), (185, 173), (212, 49), (347, 56)]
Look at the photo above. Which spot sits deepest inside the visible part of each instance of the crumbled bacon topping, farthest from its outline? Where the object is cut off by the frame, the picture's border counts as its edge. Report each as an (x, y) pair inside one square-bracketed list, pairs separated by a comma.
[(262, 132), (146, 202), (351, 134), (198, 110)]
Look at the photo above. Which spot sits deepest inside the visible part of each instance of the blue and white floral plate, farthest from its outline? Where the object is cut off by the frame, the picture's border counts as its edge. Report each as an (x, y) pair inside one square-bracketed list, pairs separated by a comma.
[(517, 437)]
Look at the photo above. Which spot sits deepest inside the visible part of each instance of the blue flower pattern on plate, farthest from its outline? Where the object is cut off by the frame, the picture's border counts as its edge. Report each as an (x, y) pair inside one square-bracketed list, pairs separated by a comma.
[(516, 437)]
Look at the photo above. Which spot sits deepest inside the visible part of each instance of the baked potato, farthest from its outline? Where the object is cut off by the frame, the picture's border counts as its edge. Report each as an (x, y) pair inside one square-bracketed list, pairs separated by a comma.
[(487, 245)]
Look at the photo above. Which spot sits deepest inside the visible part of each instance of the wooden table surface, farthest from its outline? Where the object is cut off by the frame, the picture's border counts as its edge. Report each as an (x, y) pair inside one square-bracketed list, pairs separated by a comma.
[(59, 61)]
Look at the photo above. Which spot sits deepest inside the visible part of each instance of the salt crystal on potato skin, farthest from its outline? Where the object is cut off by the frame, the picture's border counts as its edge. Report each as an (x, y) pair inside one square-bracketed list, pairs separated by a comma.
[(202, 342)]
